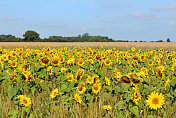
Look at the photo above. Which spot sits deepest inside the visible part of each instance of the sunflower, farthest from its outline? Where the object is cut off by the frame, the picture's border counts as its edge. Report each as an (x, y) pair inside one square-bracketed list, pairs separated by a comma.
[(150, 62), (54, 93), (63, 69), (24, 100), (13, 63), (107, 61), (90, 80), (80, 62), (142, 58), (133, 49), (107, 107), (160, 74), (81, 89), (77, 98), (155, 100), (135, 57), (165, 85), (125, 79), (136, 96), (44, 60), (5, 57), (96, 78), (135, 80), (96, 87), (49, 69), (70, 78), (55, 61), (107, 80), (98, 57), (71, 61), (116, 73), (28, 76)]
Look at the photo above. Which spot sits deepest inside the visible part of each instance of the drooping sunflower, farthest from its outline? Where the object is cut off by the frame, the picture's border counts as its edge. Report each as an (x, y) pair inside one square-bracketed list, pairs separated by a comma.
[(155, 100), (90, 80), (125, 79), (96, 87), (77, 98), (96, 78), (24, 100), (81, 88), (135, 79), (54, 93), (44, 60)]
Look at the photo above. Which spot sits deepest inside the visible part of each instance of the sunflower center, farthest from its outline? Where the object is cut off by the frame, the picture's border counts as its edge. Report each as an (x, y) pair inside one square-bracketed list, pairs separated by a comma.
[(45, 60), (96, 88), (24, 101), (55, 93), (55, 61), (80, 88), (155, 101)]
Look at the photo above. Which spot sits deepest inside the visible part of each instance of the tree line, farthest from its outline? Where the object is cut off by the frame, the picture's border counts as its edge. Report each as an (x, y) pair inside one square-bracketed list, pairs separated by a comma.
[(32, 36)]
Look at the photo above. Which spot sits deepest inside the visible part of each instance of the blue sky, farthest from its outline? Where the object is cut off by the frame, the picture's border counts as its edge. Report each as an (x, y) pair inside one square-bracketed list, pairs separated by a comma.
[(147, 20)]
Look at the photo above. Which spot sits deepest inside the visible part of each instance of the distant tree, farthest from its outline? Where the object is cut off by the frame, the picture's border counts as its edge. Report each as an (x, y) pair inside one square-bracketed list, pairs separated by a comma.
[(168, 40), (160, 41), (31, 36)]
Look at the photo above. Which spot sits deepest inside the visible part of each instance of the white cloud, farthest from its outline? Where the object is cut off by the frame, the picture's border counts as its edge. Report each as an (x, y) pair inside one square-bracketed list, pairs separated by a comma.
[(84, 29), (52, 25), (119, 16), (6, 18), (144, 15), (97, 27), (118, 5), (171, 23), (168, 7)]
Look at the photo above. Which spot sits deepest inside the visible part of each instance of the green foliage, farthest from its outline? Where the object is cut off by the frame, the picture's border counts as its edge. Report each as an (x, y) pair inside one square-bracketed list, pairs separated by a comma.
[(31, 36)]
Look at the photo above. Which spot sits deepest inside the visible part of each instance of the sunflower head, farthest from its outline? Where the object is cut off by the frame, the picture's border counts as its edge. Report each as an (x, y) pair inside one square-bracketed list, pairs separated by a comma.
[(125, 79), (90, 80), (24, 100), (81, 88), (155, 100), (54, 93), (77, 98), (96, 87), (44, 60)]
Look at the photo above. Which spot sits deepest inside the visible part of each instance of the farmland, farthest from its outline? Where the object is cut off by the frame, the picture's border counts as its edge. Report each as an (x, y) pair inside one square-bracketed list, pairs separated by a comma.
[(91, 80)]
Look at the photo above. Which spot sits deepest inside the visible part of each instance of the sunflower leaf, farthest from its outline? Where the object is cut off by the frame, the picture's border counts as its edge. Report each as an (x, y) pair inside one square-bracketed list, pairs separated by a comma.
[(173, 82), (134, 110)]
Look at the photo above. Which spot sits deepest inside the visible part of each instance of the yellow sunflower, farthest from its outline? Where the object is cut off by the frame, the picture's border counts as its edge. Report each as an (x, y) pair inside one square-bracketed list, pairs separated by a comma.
[(107, 107), (107, 80), (125, 79), (49, 69), (96, 87), (155, 100), (24, 100), (107, 61), (80, 62), (90, 80), (44, 60), (54, 93), (77, 98), (70, 78), (81, 89), (55, 61)]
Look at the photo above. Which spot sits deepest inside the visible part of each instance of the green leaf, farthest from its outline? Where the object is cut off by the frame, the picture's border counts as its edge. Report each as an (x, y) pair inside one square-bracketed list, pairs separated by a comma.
[(134, 110), (173, 82), (13, 112), (150, 116), (12, 91), (119, 103), (63, 87)]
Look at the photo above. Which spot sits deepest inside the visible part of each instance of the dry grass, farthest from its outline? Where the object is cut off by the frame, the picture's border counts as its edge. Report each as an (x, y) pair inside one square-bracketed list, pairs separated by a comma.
[(91, 44)]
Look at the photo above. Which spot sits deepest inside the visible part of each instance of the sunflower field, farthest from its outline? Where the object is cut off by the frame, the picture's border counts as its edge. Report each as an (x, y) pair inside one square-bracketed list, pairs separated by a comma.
[(76, 82)]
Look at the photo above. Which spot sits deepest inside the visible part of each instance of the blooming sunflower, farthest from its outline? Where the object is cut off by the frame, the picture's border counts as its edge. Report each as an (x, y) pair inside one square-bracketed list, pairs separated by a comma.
[(44, 60), (55, 61), (77, 98), (24, 100), (107, 107), (70, 78), (80, 62), (54, 93), (155, 100), (96, 87), (107, 61), (90, 80), (81, 89), (107, 80)]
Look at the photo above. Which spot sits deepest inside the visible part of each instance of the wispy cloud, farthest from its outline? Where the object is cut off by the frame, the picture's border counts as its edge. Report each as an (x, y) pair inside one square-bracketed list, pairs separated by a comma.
[(119, 16), (97, 27), (172, 24), (118, 5), (84, 29), (8, 19), (144, 15), (168, 7), (52, 25)]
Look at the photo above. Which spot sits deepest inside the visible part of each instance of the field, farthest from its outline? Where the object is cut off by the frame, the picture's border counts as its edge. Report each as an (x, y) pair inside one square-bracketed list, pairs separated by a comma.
[(90, 80)]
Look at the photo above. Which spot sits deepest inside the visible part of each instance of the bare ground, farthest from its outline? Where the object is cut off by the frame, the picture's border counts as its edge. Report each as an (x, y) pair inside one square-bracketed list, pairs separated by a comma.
[(91, 44)]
